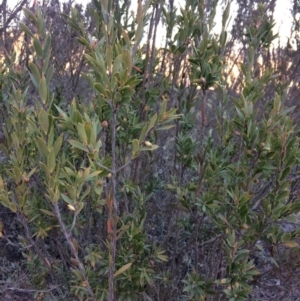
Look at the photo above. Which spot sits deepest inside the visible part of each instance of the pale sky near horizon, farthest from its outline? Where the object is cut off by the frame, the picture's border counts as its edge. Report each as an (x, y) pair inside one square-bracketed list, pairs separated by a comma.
[(282, 17)]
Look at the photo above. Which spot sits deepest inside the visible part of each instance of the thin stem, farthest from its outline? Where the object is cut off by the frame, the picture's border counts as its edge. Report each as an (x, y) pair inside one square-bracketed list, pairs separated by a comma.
[(113, 207), (68, 237), (203, 118)]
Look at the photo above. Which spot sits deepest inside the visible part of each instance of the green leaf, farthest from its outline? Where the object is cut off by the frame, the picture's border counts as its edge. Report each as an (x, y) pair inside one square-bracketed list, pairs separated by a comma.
[(51, 161), (85, 194), (91, 130), (78, 145), (40, 24), (109, 57), (46, 170), (93, 174), (32, 172), (117, 64), (35, 72), (43, 90), (161, 257), (130, 82), (139, 32), (83, 41), (67, 199), (135, 148), (26, 29), (42, 146), (1, 184), (286, 237), (82, 133), (231, 238), (44, 121), (143, 133), (226, 14), (37, 47), (291, 244), (58, 144), (122, 269), (29, 14), (71, 191), (242, 254), (126, 37), (79, 207), (282, 196), (35, 82), (49, 73), (5, 201), (100, 88), (45, 64), (255, 271), (152, 123), (17, 174), (13, 207), (61, 112), (47, 212), (47, 44), (285, 173), (151, 148), (127, 61)]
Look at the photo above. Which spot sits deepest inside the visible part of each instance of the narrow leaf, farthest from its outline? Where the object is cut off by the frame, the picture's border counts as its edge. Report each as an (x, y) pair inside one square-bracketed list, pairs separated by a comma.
[(109, 57), (122, 269), (78, 145), (26, 29), (47, 45), (152, 123), (58, 144), (291, 244), (5, 201), (37, 47), (47, 212), (117, 64), (1, 184), (82, 133), (67, 199), (51, 161), (100, 88), (43, 90), (127, 61), (35, 72), (42, 146), (126, 38), (44, 120), (29, 14)]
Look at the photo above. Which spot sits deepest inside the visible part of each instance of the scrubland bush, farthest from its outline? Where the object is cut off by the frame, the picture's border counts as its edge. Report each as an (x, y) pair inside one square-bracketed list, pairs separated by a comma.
[(158, 185)]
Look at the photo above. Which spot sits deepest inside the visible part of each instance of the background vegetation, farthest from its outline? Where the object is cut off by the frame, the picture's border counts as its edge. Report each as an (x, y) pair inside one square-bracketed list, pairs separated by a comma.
[(130, 172)]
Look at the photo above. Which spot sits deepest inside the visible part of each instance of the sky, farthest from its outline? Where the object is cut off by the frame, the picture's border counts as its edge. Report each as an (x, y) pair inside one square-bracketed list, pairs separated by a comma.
[(282, 17)]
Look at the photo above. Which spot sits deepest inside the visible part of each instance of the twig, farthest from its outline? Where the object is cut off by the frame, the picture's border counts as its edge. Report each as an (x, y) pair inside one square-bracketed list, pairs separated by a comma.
[(210, 240), (122, 167), (113, 207), (11, 243), (32, 290), (102, 166), (73, 222), (68, 236)]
